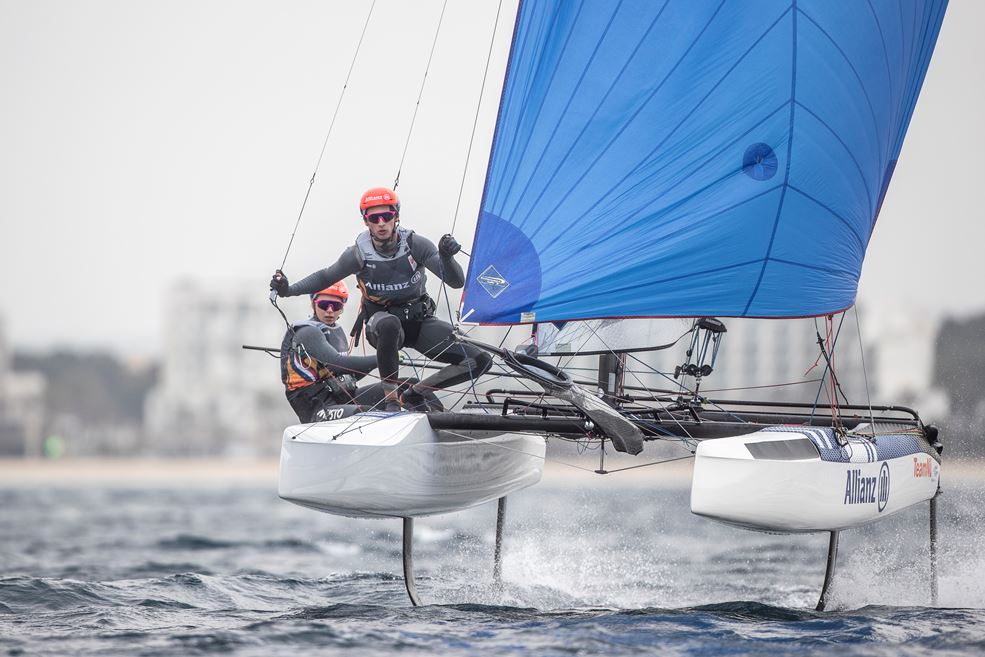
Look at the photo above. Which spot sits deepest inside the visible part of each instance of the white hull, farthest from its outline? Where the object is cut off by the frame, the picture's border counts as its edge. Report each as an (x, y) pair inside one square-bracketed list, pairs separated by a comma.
[(785, 489), (378, 465)]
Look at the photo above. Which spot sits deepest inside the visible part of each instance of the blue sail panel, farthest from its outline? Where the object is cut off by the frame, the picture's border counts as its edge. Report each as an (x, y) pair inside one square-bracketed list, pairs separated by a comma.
[(691, 158)]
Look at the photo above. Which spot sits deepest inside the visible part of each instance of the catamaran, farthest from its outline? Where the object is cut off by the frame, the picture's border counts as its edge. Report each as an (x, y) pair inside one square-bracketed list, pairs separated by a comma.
[(698, 160)]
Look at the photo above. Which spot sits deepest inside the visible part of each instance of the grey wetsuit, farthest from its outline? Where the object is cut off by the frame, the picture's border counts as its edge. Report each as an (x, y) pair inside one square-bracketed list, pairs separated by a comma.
[(396, 307), (318, 372)]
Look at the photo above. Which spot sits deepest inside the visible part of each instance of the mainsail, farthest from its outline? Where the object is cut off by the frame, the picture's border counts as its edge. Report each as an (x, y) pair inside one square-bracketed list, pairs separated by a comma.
[(682, 158)]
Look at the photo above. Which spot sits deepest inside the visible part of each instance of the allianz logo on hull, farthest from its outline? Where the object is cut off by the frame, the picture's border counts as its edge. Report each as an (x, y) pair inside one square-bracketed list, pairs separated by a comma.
[(868, 490)]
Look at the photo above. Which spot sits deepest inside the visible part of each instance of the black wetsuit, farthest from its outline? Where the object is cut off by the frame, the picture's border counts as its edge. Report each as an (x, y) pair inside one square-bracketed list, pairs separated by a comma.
[(396, 307), (318, 373)]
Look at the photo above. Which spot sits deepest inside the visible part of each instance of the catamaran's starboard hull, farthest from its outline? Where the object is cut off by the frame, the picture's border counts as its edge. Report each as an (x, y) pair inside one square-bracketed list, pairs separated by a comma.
[(799, 479), (395, 465)]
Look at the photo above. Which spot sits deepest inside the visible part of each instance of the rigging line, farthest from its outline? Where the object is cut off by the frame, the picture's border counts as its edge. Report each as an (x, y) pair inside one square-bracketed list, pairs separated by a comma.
[(865, 375), (575, 353), (644, 465), (520, 451), (420, 94), (540, 394), (475, 121), (834, 374), (654, 370), (472, 387), (702, 399), (331, 125), (773, 385), (352, 424), (662, 405), (827, 363), (564, 463)]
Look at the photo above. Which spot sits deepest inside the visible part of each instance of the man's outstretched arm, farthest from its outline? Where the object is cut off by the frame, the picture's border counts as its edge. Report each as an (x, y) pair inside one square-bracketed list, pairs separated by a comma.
[(347, 264)]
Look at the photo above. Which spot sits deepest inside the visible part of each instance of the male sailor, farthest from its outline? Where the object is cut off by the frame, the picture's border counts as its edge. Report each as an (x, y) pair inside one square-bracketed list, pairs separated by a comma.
[(389, 262), (318, 373)]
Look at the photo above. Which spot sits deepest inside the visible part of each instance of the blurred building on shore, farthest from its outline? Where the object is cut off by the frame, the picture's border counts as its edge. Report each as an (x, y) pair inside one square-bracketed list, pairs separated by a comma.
[(21, 406), (906, 350), (213, 397)]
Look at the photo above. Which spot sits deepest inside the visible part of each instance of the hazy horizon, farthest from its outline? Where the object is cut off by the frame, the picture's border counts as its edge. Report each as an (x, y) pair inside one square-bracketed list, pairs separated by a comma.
[(152, 142)]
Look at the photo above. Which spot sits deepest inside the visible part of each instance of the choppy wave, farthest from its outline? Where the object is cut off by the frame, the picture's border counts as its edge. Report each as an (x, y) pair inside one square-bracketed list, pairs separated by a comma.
[(199, 572)]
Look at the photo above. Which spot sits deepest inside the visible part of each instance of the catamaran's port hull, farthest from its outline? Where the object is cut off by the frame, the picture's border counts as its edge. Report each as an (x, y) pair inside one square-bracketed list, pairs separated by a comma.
[(794, 495), (378, 465)]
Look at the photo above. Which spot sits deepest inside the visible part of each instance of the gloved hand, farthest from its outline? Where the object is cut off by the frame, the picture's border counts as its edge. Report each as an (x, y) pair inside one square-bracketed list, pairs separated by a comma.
[(448, 246), (279, 284)]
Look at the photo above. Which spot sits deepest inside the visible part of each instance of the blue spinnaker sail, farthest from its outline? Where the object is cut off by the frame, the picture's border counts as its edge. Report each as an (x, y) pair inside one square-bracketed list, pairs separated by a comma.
[(693, 157)]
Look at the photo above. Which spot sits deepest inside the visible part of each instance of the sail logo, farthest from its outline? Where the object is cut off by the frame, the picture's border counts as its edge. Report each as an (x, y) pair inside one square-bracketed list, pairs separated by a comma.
[(493, 282), (868, 490)]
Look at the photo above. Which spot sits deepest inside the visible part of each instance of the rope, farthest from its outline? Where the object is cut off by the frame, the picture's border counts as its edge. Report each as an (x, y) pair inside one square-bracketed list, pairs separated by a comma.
[(331, 125), (828, 365), (865, 375), (468, 155), (643, 385), (417, 106), (566, 464), (475, 121), (646, 465)]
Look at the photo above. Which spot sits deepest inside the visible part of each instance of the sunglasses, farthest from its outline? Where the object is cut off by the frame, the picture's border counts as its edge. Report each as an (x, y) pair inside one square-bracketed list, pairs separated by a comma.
[(380, 217), (327, 304)]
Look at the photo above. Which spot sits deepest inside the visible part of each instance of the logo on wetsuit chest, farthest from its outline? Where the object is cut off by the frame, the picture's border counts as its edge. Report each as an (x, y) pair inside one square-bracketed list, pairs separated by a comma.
[(394, 287)]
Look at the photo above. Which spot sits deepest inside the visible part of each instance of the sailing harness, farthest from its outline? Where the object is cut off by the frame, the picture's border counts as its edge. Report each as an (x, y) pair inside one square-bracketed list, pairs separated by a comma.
[(391, 282), (411, 311)]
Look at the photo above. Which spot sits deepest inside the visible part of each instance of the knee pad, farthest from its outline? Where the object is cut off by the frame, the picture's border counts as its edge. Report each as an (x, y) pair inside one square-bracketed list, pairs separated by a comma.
[(384, 327)]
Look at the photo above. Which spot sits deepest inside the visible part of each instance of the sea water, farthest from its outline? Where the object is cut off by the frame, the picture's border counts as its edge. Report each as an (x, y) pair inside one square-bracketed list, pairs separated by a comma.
[(591, 566)]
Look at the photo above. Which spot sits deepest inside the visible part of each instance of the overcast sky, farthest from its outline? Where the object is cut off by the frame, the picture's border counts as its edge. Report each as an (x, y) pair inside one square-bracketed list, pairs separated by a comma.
[(144, 142)]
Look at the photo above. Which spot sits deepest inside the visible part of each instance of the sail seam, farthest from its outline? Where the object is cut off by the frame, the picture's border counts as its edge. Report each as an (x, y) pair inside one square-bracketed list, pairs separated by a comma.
[(540, 108), (880, 150), (633, 263), (858, 167), (858, 238), (683, 121), (929, 42), (492, 146), (786, 173), (684, 178), (518, 49), (827, 270), (564, 112), (885, 54), (625, 125)]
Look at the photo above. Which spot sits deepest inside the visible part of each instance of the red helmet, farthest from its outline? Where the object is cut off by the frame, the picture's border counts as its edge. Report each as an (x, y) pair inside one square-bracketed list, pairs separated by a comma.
[(337, 290), (379, 196)]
